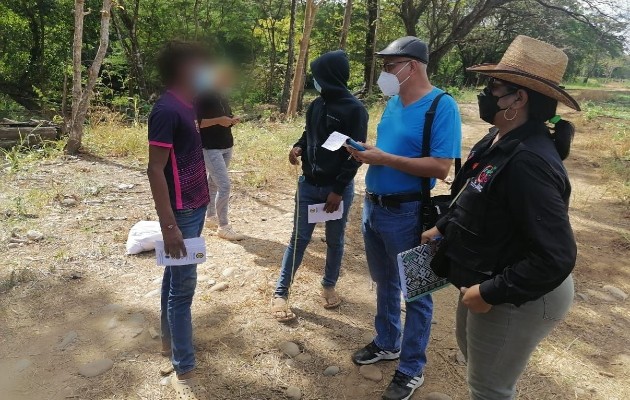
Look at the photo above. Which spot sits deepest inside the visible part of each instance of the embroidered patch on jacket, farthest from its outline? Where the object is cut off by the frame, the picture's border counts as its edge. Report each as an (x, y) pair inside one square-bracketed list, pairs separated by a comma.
[(484, 176)]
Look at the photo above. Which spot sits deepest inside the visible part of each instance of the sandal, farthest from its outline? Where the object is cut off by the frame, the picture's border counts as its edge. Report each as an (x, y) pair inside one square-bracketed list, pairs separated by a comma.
[(331, 298), (281, 311), (188, 389)]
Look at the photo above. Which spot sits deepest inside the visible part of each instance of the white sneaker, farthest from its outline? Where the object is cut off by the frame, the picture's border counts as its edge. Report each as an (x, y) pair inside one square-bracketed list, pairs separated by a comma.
[(212, 222), (227, 233)]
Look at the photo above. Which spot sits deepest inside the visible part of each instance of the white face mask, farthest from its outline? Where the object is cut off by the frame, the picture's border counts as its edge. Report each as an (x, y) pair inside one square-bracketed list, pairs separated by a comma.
[(388, 82), (317, 86)]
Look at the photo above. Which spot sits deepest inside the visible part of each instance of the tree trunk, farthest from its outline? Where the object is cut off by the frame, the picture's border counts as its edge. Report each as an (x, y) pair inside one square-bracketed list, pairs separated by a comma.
[(131, 46), (298, 77), (81, 96), (370, 45), (345, 28), (300, 105), (288, 73)]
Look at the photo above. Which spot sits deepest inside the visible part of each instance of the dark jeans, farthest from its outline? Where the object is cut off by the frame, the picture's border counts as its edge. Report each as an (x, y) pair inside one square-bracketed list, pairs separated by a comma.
[(310, 194), (178, 288), (388, 231)]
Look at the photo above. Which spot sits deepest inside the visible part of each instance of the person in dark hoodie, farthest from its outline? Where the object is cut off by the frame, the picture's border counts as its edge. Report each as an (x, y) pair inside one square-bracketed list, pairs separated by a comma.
[(327, 176)]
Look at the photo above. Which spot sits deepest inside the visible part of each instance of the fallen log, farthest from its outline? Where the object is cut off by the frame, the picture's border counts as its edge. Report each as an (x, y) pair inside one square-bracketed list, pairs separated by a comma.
[(26, 135)]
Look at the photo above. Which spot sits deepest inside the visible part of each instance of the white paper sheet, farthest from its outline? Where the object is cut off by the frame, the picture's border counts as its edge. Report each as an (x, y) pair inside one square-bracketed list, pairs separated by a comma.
[(317, 214), (335, 141), (195, 249)]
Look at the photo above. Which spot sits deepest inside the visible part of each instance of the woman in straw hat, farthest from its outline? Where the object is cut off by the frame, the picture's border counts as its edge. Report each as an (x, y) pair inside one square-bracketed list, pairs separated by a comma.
[(507, 243)]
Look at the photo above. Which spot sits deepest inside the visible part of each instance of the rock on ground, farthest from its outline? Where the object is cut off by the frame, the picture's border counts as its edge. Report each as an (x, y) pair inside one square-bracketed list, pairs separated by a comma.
[(34, 235), (67, 340), (96, 368), (332, 370), (112, 323), (437, 396), (229, 271), (600, 295), (152, 293), (219, 287), (154, 333), (615, 291), (304, 357), (459, 357), (135, 332), (582, 296), (371, 372), (289, 348), (293, 393)]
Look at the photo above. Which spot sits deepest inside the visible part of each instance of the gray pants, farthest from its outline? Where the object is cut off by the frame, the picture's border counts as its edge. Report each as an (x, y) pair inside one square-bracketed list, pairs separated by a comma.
[(217, 163), (498, 344)]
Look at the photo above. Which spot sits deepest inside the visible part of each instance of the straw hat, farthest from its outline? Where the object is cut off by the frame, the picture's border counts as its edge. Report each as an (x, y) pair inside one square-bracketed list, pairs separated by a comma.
[(532, 64)]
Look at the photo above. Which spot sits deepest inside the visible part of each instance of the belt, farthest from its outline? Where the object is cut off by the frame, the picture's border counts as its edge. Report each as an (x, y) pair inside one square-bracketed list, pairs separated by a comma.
[(393, 200)]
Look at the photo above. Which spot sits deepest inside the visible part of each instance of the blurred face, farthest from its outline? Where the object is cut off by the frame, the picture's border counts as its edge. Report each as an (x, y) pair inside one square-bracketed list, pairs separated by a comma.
[(188, 73)]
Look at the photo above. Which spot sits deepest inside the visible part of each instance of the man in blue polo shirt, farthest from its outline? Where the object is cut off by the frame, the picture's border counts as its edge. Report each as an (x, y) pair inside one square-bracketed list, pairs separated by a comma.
[(391, 214)]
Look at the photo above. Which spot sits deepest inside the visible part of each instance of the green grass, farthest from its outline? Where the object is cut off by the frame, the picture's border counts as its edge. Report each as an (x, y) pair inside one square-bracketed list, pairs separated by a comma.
[(22, 156)]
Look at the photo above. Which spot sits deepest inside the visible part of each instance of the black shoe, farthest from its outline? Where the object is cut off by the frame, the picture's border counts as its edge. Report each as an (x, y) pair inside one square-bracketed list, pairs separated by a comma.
[(402, 386), (372, 353)]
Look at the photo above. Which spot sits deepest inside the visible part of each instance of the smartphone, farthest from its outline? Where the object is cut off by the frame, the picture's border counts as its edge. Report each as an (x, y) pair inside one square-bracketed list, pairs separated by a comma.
[(354, 145)]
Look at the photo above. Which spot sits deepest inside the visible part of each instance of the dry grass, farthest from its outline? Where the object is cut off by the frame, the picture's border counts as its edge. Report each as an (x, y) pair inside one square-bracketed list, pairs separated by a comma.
[(604, 129)]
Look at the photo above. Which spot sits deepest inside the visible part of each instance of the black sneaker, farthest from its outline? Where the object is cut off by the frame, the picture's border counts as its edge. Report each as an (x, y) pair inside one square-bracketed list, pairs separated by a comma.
[(372, 353), (402, 386)]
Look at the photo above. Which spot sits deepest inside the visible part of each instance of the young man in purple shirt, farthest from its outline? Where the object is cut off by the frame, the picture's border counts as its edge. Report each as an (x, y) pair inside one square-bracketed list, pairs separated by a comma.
[(177, 176)]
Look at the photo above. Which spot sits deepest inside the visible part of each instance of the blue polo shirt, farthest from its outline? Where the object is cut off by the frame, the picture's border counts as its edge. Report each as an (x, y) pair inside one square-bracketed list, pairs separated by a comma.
[(400, 133)]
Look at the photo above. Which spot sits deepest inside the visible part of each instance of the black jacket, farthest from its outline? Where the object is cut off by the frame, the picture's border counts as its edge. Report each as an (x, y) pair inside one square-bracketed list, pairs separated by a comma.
[(335, 110), (508, 228)]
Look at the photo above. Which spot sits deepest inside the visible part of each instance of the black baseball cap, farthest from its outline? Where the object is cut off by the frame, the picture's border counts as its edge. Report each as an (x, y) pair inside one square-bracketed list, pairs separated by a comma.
[(408, 46)]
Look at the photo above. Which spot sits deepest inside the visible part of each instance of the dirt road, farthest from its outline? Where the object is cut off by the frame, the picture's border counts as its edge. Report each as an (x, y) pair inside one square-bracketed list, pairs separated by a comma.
[(84, 300)]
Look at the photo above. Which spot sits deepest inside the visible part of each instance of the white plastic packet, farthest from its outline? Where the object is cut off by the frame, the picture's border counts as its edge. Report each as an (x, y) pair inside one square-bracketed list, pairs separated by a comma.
[(142, 237)]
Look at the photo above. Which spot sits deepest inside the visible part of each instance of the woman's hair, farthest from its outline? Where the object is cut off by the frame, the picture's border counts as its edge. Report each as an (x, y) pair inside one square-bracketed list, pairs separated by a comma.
[(543, 108), (174, 55)]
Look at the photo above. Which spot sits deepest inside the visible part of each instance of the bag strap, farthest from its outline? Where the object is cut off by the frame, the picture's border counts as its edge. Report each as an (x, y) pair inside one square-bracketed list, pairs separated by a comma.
[(429, 117)]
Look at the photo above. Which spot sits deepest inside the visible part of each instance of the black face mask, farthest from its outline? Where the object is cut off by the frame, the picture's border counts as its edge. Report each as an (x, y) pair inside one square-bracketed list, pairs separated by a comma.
[(488, 105)]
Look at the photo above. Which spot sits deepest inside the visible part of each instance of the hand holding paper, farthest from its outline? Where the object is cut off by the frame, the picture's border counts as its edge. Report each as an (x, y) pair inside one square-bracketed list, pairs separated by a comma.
[(338, 139), (195, 253), (317, 214)]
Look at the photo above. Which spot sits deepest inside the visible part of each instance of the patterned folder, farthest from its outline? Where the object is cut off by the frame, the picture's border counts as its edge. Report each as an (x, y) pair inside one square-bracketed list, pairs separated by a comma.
[(417, 279)]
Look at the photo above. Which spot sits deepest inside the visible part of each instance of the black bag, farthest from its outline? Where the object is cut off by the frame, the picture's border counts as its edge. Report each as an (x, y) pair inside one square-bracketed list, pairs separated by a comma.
[(433, 207)]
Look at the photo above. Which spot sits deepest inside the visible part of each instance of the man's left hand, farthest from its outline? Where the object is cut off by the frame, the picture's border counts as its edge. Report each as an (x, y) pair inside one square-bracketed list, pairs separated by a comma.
[(473, 300), (332, 202), (371, 155)]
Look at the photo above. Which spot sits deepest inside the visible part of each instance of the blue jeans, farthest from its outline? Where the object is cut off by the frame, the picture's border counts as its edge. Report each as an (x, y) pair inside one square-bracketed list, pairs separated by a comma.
[(388, 231), (178, 288), (308, 195)]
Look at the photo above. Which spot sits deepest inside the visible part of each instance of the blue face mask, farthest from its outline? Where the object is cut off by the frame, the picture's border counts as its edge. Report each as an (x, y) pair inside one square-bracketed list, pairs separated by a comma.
[(317, 86), (203, 79)]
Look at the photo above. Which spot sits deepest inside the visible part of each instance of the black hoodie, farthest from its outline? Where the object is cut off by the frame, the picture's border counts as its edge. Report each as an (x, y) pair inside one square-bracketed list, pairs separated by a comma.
[(336, 109)]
